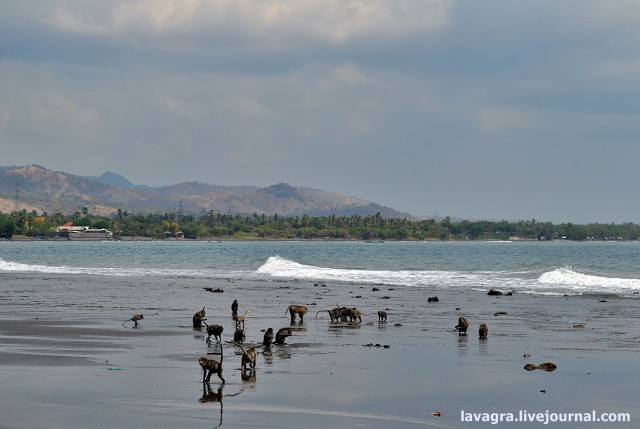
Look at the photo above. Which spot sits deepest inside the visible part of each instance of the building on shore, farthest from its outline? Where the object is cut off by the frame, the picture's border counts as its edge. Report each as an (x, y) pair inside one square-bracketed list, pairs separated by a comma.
[(83, 232)]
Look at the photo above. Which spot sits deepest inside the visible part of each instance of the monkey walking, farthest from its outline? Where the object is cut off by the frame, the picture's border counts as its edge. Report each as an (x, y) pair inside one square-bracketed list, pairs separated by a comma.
[(215, 331), (211, 366), (350, 314), (462, 326), (300, 310), (483, 331), (240, 319), (248, 357), (334, 314), (382, 316), (134, 319), (198, 318)]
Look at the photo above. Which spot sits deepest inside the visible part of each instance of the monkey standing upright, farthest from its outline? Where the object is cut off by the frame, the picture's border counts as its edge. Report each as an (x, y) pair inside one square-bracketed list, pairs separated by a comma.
[(198, 318), (268, 338)]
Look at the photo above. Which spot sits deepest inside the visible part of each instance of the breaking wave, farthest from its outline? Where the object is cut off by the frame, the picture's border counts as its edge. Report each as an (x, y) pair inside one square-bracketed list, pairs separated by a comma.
[(7, 266), (588, 283), (556, 282)]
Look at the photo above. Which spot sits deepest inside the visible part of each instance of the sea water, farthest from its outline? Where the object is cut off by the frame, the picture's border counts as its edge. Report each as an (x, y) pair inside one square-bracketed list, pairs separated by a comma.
[(563, 268)]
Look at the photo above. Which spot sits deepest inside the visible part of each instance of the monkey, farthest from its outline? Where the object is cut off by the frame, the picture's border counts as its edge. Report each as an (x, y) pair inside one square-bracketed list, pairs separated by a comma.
[(300, 310), (209, 366), (382, 316), (198, 318), (248, 357), (134, 319), (234, 308), (462, 326), (350, 314), (268, 338), (334, 314), (215, 330), (240, 319), (345, 313), (239, 336), (483, 331), (282, 335)]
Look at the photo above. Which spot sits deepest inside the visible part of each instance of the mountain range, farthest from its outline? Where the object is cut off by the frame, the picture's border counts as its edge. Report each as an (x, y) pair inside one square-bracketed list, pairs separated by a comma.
[(37, 188)]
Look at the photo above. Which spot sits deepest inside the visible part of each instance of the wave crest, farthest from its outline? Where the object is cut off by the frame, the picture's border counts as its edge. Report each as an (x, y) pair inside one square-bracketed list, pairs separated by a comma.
[(568, 278)]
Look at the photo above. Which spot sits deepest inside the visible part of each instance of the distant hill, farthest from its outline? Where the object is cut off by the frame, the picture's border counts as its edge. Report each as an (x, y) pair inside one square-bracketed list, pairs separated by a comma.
[(37, 188), (113, 179)]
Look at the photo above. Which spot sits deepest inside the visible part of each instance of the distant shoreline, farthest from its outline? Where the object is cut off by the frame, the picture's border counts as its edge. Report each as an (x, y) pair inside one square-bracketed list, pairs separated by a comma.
[(227, 239)]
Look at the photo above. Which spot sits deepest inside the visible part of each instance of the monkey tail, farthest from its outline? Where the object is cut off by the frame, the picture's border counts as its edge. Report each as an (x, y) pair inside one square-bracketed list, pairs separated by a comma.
[(235, 344), (123, 323), (241, 348), (287, 310)]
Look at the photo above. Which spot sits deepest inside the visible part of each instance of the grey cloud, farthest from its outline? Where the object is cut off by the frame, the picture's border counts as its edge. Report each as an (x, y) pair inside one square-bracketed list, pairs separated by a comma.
[(475, 109)]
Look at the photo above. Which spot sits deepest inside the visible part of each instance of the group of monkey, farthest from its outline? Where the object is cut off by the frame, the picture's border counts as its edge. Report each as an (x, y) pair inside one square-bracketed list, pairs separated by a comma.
[(248, 360), (463, 325)]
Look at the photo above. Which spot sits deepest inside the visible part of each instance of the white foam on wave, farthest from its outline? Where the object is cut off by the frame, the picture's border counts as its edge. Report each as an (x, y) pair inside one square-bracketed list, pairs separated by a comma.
[(17, 267), (277, 266), (571, 280), (558, 282)]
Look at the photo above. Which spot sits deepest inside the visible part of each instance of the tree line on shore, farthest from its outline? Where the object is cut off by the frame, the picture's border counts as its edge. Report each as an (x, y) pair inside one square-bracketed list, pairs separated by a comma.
[(372, 227)]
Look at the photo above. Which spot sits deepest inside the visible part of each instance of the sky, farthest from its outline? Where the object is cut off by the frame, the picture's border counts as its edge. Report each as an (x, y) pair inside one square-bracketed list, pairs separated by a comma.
[(480, 110)]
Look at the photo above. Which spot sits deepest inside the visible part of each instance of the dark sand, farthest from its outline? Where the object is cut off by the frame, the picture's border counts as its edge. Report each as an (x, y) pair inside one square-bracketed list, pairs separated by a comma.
[(61, 369)]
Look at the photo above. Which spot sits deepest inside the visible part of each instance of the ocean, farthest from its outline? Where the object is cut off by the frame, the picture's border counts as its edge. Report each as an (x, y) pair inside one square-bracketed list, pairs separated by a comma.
[(551, 268)]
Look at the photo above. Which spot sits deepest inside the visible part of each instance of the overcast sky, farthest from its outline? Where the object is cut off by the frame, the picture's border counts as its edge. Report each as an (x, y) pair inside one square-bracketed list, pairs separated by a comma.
[(470, 109)]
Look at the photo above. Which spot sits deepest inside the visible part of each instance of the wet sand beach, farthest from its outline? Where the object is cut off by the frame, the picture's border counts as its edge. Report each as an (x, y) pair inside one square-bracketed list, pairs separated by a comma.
[(78, 367)]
